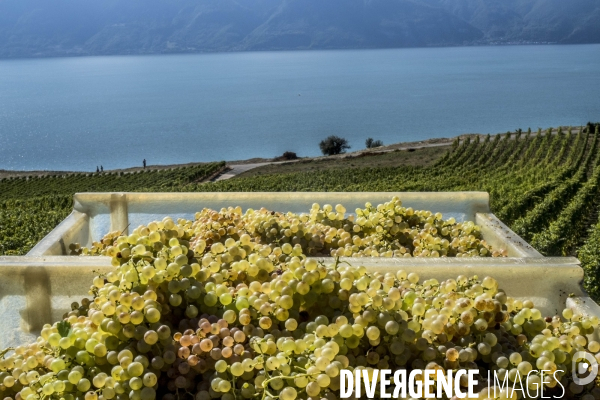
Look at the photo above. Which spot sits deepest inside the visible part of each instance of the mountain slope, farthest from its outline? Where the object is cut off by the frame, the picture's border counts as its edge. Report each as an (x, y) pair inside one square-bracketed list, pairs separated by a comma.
[(559, 21), (30, 28), (359, 24)]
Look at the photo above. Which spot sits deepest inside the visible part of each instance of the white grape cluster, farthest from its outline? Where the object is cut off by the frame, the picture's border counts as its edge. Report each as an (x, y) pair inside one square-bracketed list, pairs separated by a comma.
[(386, 230), (187, 314)]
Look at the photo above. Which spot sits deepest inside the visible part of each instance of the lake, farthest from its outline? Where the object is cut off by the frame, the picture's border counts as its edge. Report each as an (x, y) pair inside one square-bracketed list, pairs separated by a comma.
[(77, 113)]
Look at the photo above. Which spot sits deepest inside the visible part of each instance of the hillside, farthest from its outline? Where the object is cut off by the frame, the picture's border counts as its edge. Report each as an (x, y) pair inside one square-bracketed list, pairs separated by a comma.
[(35, 28), (529, 20), (546, 187)]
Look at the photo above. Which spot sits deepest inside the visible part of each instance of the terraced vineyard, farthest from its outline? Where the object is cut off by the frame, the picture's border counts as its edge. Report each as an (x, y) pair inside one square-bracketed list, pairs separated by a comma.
[(544, 186), (30, 207)]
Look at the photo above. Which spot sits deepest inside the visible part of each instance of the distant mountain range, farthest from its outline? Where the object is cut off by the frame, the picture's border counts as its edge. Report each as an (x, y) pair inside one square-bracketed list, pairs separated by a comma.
[(37, 28)]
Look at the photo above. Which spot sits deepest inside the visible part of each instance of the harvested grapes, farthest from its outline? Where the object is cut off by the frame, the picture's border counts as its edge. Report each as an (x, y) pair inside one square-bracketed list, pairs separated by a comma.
[(223, 308), (387, 230)]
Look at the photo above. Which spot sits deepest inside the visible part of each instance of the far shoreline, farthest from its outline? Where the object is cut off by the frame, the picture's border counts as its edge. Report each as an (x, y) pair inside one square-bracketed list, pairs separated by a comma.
[(282, 50)]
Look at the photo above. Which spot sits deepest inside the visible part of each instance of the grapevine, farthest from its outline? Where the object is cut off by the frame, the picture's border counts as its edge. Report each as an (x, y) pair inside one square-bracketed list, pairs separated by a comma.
[(213, 309)]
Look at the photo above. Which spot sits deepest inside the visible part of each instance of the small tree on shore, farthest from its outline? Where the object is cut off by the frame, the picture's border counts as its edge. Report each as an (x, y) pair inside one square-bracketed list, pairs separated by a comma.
[(371, 143), (333, 145), (288, 155)]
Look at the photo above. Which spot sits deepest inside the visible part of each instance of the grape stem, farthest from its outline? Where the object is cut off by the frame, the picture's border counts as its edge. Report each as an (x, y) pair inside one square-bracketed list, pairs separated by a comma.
[(3, 352), (234, 396), (266, 382), (158, 347), (123, 231)]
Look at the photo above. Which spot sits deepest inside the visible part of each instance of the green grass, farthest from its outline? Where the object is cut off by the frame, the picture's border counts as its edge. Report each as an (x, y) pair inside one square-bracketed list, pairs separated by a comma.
[(418, 157)]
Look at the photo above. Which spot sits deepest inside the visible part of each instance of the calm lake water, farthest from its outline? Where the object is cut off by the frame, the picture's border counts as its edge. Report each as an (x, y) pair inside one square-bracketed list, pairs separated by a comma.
[(76, 113)]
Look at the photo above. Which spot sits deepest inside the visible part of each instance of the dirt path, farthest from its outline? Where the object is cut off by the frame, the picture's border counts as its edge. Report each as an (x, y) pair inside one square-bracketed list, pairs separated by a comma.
[(236, 169)]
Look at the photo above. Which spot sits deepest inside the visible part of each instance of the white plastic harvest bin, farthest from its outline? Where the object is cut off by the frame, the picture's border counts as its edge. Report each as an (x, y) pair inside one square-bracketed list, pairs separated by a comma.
[(39, 288), (96, 214)]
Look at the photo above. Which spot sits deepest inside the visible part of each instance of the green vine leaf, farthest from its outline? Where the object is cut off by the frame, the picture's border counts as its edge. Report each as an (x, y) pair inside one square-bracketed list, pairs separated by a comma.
[(64, 328)]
